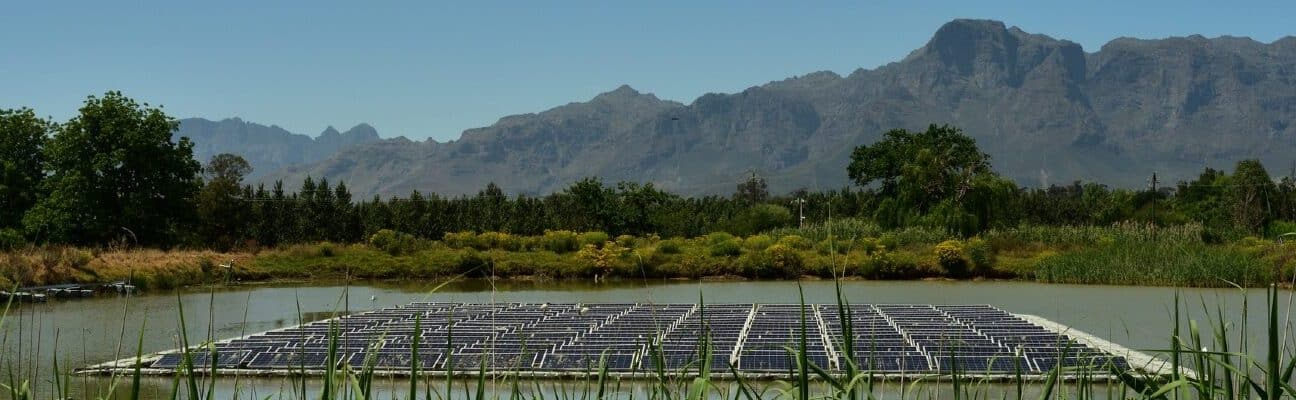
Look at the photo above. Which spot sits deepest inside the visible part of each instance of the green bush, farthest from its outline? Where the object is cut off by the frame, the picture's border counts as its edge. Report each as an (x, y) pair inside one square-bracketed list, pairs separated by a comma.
[(327, 250), (758, 242), (459, 240), (560, 241), (596, 238), (889, 265), (496, 240), (10, 239), (795, 242), (785, 262), (831, 245), (627, 241), (473, 263), (871, 245), (952, 258), (393, 242), (981, 255), (670, 246), (760, 218), (727, 248), (718, 237)]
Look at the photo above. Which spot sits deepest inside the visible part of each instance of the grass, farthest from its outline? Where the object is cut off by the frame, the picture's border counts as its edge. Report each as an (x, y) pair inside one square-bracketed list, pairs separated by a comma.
[(1164, 265)]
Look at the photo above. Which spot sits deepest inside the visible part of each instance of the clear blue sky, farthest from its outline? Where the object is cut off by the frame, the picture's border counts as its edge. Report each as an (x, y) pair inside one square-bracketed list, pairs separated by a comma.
[(432, 69)]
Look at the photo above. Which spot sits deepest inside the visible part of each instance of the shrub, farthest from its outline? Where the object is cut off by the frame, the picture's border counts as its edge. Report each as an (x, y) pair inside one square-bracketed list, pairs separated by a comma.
[(626, 241), (871, 245), (10, 239), (760, 218), (758, 242), (981, 255), (595, 238), (603, 259), (459, 240), (560, 241), (206, 265), (327, 250), (473, 263), (495, 240), (951, 257), (889, 265), (888, 242), (727, 248), (393, 242), (795, 242), (509, 242), (832, 245), (718, 237), (670, 246), (784, 261)]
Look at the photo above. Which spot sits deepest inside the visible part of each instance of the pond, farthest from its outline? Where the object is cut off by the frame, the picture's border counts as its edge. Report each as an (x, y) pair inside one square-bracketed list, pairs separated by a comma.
[(88, 331)]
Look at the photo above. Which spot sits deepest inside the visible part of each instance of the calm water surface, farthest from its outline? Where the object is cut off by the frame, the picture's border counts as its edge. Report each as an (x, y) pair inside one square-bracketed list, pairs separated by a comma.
[(89, 331)]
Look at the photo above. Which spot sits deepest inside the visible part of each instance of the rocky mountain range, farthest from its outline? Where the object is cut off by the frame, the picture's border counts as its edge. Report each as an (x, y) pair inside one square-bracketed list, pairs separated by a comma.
[(1045, 110), (268, 148)]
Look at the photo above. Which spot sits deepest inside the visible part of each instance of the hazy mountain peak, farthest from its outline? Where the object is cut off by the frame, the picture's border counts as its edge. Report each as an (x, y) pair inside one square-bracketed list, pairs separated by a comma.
[(625, 93), (330, 131), (362, 130)]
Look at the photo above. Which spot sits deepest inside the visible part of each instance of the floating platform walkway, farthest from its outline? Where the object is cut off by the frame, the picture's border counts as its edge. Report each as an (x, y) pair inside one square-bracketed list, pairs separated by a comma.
[(541, 339)]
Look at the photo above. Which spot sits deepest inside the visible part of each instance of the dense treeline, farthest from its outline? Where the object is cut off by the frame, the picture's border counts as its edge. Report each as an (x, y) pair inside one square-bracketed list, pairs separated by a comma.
[(112, 175)]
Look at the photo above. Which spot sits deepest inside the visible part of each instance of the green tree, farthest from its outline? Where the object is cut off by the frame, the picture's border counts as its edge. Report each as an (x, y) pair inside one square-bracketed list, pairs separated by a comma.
[(923, 168), (114, 173), (22, 142), (1251, 191), (222, 210), (929, 172), (753, 190)]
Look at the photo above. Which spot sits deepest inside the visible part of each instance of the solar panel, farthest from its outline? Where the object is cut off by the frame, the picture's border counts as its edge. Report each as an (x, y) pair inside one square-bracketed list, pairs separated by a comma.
[(909, 338)]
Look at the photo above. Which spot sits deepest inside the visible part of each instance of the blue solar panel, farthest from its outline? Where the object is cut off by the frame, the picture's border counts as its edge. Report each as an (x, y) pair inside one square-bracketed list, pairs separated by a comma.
[(627, 337)]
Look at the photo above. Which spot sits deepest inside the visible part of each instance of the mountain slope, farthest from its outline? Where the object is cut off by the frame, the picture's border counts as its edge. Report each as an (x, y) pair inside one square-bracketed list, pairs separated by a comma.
[(1045, 110), (268, 148)]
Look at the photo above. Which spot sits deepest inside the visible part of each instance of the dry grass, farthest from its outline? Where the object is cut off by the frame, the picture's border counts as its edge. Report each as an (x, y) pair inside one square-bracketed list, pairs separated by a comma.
[(145, 267)]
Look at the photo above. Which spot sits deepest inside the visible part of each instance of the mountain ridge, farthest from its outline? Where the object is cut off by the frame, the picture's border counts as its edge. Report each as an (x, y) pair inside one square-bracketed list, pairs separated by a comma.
[(1045, 109), (268, 148)]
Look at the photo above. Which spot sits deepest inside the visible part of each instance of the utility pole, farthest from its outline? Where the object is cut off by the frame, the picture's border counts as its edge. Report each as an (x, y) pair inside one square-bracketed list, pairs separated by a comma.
[(800, 202), (1154, 202)]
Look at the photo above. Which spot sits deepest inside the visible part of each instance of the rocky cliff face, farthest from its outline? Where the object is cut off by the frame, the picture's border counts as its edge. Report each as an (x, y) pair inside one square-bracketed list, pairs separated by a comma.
[(1046, 111)]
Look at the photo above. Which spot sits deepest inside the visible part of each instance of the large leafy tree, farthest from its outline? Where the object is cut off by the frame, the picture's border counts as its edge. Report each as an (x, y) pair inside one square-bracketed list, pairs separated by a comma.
[(1252, 192), (115, 173), (926, 177), (22, 140), (223, 210), (924, 168)]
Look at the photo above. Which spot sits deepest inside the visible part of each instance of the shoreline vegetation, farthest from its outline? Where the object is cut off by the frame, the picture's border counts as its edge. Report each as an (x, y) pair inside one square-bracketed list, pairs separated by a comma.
[(1121, 254)]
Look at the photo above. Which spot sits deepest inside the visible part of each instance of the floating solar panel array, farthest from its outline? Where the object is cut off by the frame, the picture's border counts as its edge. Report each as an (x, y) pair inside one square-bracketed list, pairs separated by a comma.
[(567, 338)]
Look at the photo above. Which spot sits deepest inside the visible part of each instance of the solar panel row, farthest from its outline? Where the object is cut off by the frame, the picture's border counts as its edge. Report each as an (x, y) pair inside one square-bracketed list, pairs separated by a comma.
[(675, 337)]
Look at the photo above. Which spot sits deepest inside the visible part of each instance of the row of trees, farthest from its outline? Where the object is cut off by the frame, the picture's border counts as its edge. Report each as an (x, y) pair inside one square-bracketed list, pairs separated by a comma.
[(113, 174)]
